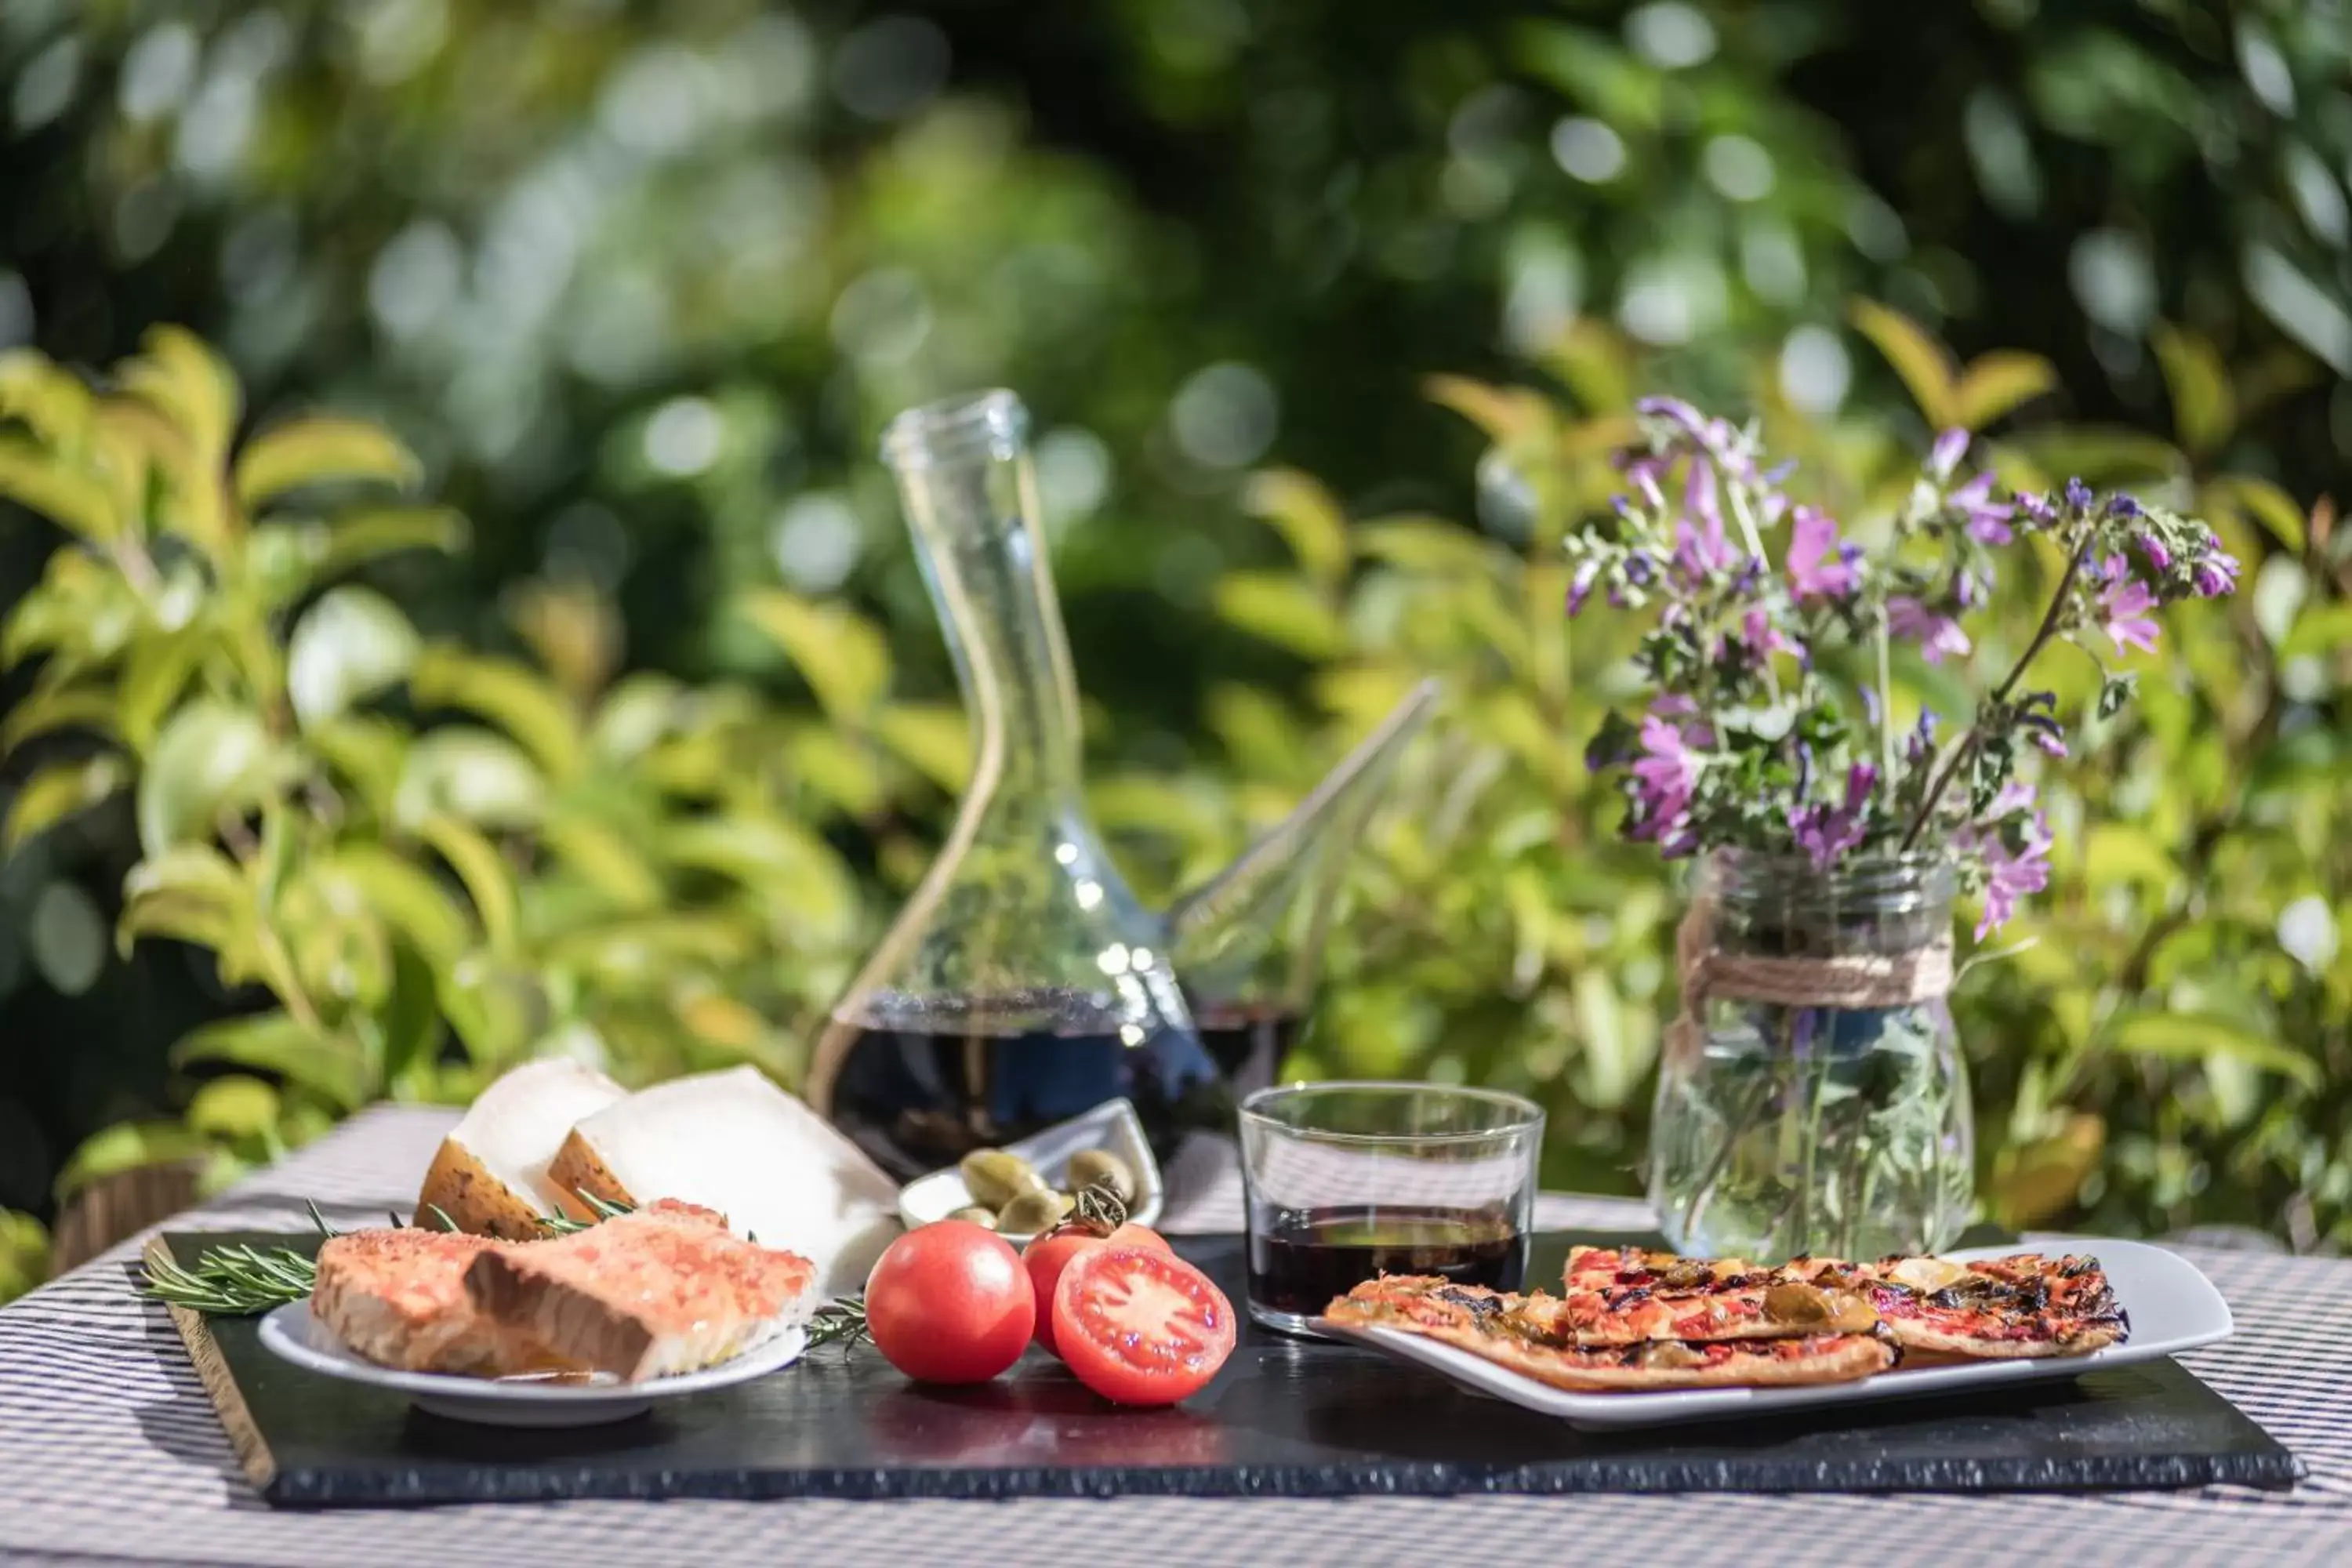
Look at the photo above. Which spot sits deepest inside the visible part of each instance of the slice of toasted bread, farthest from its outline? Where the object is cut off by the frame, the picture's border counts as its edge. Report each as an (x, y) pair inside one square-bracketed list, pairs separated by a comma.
[(664, 1291), (398, 1297), (490, 1174), (735, 1143)]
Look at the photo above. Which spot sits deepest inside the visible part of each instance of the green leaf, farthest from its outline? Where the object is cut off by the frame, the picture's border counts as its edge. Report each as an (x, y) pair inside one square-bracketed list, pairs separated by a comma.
[(154, 674), (2114, 692), (934, 739), (126, 1146), (180, 375), (494, 1010), (210, 758), (2188, 1037), (1283, 610), (472, 773), (1430, 546), (235, 1106), (2321, 628), (330, 1066), (193, 894), (349, 646), (842, 656), (1998, 383), (2204, 409), (488, 880), (46, 484), (315, 449), (368, 754), (774, 858), (57, 708), (604, 859), (372, 877), (509, 695), (2101, 455), (2271, 506), (1922, 363), (1508, 415), (1308, 517), (53, 402), (2119, 852), (56, 792)]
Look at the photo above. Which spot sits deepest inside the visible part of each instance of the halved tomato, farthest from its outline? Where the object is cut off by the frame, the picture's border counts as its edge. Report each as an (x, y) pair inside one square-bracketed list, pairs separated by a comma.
[(1139, 1325), (1046, 1256)]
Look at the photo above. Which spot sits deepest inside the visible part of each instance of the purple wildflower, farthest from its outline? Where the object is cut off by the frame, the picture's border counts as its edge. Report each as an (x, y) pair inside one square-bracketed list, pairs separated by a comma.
[(1764, 639), (2078, 495), (1920, 744), (2159, 559), (2016, 796), (1665, 777), (2216, 571), (1939, 636), (2124, 605), (2009, 874), (2123, 506), (1580, 588), (1949, 449), (1676, 411), (1819, 567), (1640, 569), (1703, 556), (1987, 520), (2038, 509), (1826, 832)]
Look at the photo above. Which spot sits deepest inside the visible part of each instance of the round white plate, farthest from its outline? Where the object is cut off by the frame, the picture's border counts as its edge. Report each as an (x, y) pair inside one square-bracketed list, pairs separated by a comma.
[(2171, 1306), (292, 1334)]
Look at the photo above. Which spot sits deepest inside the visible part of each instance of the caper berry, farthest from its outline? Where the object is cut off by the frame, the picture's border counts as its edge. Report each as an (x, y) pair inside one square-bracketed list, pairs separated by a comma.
[(1034, 1212), (995, 1178), (984, 1218), (1092, 1167)]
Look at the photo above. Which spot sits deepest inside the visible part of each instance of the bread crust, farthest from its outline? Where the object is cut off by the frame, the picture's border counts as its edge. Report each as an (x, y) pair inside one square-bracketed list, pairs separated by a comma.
[(577, 1168), (473, 1196)]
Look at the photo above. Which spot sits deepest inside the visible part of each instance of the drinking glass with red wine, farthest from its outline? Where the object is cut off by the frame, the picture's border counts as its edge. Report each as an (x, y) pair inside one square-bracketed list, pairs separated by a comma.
[(1347, 1181)]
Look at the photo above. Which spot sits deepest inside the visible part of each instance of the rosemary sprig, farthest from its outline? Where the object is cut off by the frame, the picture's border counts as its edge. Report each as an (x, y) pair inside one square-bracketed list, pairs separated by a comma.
[(564, 1224), (843, 1324), (235, 1281)]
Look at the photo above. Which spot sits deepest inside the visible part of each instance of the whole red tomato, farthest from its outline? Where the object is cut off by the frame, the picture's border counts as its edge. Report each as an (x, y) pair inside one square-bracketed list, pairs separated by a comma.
[(1139, 1325), (950, 1303), (1046, 1256)]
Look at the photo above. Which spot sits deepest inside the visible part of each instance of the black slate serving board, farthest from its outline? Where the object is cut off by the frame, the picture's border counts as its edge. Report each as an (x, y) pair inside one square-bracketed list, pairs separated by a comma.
[(1285, 1417)]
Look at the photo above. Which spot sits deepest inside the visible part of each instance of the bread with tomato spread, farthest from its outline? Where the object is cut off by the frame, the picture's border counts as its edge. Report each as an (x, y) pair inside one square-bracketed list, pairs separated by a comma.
[(664, 1291)]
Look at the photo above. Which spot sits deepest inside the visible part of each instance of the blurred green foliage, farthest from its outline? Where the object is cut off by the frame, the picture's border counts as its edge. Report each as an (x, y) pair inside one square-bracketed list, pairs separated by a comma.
[(634, 285)]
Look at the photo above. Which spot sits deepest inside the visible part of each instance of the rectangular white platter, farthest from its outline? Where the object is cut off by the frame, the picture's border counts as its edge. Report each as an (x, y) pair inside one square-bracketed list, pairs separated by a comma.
[(2171, 1307)]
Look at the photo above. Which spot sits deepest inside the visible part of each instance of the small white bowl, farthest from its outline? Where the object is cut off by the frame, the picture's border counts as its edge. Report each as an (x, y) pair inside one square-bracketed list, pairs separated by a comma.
[(1112, 1125), (294, 1334)]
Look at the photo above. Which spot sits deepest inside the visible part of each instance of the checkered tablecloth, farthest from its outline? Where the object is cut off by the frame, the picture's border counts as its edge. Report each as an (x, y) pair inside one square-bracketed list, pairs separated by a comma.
[(111, 1452)]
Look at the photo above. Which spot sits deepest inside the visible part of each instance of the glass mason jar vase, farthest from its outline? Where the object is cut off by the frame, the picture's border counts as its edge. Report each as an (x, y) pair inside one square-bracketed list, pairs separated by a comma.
[(1812, 1097)]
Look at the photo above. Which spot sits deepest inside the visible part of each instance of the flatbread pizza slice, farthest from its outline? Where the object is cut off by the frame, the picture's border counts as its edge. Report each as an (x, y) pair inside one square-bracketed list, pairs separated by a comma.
[(2026, 1305), (1501, 1329), (1613, 1296), (2023, 1305)]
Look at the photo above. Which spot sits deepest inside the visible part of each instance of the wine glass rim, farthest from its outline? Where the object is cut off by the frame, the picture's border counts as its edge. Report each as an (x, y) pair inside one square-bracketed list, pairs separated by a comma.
[(1525, 1114)]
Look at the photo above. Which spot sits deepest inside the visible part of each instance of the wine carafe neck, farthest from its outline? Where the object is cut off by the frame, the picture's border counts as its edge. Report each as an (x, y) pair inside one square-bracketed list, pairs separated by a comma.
[(971, 495)]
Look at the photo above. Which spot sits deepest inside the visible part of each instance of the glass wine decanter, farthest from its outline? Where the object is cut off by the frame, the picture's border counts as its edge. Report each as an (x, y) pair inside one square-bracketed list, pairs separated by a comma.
[(1023, 983)]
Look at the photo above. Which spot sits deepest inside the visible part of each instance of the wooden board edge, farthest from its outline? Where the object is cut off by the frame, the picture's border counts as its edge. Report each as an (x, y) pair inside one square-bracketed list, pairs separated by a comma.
[(252, 1449)]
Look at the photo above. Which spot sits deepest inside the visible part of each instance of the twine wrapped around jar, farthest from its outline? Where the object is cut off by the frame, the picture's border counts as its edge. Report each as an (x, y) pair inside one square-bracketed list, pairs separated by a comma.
[(1847, 981)]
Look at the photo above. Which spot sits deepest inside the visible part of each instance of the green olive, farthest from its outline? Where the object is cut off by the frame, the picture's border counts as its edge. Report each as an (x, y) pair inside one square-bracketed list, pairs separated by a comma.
[(1034, 1212), (984, 1218), (1092, 1166), (995, 1178)]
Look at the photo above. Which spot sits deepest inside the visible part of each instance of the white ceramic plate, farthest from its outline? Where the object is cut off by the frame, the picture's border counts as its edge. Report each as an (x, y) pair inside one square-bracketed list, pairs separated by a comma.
[(2171, 1306), (1112, 1125), (291, 1333)]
